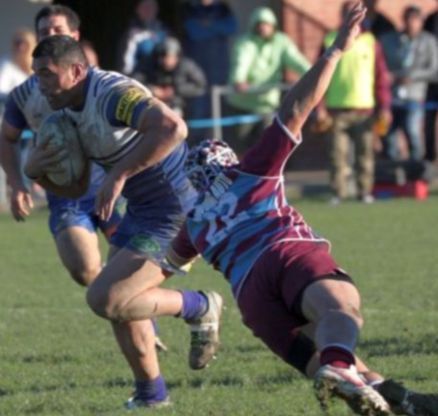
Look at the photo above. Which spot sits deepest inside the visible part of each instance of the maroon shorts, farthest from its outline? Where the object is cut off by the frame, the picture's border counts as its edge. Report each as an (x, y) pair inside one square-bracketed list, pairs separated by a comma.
[(270, 299)]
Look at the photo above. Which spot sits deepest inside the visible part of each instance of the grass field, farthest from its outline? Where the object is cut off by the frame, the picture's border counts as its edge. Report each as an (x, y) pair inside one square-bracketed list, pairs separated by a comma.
[(56, 358)]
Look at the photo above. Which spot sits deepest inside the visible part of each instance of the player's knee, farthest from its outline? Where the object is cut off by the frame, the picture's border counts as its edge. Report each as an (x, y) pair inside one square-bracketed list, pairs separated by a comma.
[(354, 313), (347, 311), (98, 302), (84, 276), (109, 304)]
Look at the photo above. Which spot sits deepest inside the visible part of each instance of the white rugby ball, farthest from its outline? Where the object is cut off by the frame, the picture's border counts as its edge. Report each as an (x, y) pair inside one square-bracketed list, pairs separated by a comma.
[(59, 130)]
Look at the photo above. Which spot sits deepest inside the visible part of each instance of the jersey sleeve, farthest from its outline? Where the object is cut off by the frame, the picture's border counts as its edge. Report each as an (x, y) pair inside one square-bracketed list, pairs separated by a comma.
[(182, 253), (125, 104), (13, 114), (269, 155)]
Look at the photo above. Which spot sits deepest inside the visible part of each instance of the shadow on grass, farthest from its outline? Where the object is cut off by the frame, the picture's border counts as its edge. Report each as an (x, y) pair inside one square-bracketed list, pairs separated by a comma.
[(385, 347), (49, 359), (4, 393)]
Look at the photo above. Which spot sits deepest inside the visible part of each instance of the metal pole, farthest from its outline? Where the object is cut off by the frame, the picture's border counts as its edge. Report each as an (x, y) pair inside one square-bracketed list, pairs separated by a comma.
[(3, 189), (216, 111)]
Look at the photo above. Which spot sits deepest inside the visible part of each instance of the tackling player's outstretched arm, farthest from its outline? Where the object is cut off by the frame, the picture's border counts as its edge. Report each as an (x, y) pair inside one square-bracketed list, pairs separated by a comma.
[(309, 90)]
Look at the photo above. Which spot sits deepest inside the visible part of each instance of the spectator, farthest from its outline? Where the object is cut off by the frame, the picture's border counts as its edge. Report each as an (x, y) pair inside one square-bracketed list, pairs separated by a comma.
[(173, 78), (15, 68), (377, 23), (412, 58), (144, 33), (359, 86), (431, 26), (258, 60), (208, 26), (90, 53)]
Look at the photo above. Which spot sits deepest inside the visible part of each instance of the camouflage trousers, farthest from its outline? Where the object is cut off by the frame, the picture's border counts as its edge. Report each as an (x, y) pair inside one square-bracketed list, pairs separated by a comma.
[(351, 128)]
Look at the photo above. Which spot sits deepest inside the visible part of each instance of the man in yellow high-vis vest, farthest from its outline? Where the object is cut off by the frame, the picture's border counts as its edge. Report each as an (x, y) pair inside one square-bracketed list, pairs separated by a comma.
[(358, 93)]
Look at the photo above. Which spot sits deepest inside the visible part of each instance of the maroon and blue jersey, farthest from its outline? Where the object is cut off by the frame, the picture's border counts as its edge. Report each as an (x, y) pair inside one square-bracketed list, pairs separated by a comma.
[(245, 211)]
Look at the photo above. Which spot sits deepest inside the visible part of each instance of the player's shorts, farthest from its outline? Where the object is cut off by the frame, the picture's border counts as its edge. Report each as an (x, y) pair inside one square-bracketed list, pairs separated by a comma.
[(66, 213), (148, 235), (270, 299)]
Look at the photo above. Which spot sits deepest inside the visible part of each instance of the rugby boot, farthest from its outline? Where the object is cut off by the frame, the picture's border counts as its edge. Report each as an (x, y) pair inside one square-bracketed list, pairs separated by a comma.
[(348, 385), (204, 333)]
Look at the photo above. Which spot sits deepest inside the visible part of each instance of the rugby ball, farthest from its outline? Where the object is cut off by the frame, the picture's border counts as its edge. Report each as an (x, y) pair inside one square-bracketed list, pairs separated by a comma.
[(60, 130)]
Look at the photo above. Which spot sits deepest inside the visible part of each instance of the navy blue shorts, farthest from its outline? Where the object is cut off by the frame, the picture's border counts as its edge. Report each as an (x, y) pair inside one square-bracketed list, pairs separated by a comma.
[(148, 235), (68, 213)]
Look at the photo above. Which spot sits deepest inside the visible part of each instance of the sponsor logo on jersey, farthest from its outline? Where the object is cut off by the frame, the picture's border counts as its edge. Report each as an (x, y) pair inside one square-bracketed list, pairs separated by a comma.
[(128, 101)]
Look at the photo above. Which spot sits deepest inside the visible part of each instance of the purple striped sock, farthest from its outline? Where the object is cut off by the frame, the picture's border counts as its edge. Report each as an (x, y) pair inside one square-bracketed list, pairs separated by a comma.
[(151, 391), (195, 304)]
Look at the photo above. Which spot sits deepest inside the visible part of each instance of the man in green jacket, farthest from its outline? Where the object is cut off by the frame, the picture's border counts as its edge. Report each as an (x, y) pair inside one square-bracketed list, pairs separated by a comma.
[(258, 61)]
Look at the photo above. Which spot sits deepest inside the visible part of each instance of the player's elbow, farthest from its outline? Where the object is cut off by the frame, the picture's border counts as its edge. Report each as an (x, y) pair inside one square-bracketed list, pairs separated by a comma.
[(178, 129)]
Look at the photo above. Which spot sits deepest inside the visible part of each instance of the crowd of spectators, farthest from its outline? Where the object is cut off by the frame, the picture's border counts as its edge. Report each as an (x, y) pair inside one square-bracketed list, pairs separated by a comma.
[(412, 58), (392, 93)]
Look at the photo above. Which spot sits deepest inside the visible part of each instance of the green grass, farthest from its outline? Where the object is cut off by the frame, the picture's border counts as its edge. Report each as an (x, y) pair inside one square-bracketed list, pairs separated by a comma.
[(57, 358)]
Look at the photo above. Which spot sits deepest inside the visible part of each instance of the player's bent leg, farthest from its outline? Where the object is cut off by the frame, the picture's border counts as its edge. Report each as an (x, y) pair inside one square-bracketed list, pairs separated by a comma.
[(127, 289), (401, 400), (79, 251), (126, 276), (137, 342), (333, 305)]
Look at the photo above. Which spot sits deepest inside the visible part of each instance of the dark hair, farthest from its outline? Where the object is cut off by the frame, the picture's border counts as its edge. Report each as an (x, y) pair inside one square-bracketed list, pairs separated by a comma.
[(71, 16), (412, 11), (168, 46), (61, 49)]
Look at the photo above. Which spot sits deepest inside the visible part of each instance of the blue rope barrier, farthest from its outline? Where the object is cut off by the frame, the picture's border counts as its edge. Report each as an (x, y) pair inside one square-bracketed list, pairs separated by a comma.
[(244, 119), (223, 122), (252, 118)]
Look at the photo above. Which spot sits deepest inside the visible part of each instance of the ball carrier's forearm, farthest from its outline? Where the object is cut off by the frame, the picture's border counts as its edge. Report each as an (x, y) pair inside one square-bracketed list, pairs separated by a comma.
[(163, 130), (310, 89)]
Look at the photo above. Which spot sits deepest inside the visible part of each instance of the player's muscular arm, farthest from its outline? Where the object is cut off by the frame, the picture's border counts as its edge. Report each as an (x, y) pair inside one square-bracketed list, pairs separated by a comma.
[(21, 200), (310, 89), (163, 130)]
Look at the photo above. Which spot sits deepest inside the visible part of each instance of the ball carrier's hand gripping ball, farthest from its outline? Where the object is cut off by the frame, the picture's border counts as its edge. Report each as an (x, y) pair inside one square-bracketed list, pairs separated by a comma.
[(60, 130)]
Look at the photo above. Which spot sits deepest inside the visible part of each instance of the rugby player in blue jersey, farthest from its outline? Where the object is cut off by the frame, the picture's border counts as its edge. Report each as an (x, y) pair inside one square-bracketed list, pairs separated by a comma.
[(154, 210), (73, 223)]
